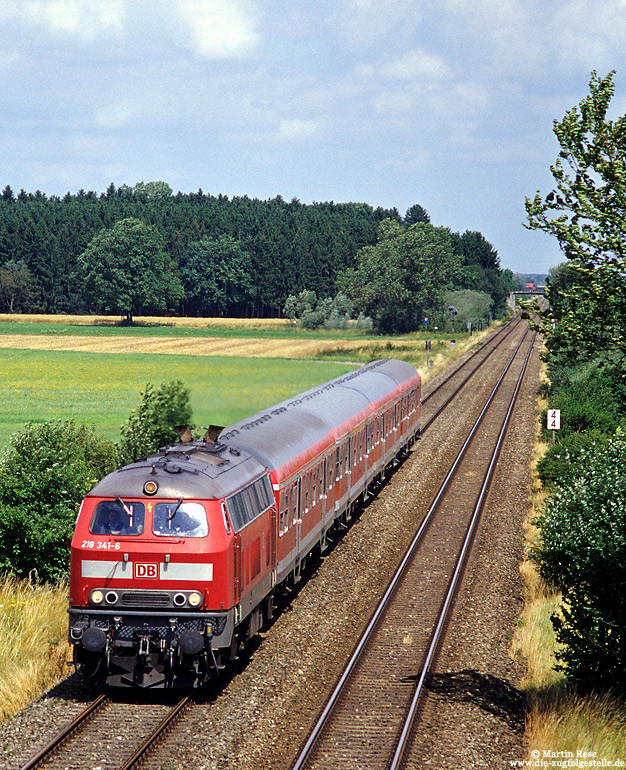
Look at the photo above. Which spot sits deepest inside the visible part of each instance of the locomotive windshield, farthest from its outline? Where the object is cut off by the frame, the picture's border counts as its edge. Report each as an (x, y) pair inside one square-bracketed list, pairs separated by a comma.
[(116, 517), (180, 519)]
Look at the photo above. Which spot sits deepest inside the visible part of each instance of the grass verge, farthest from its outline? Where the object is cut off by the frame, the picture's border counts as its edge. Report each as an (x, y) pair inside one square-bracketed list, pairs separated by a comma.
[(33, 641), (559, 719)]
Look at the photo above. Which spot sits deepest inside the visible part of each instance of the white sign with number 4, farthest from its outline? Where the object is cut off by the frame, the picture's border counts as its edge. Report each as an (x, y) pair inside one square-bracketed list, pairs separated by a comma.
[(554, 419)]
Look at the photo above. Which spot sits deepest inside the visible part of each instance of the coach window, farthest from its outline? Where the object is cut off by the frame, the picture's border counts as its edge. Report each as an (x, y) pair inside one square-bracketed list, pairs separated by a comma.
[(330, 472), (180, 520), (282, 512), (293, 496)]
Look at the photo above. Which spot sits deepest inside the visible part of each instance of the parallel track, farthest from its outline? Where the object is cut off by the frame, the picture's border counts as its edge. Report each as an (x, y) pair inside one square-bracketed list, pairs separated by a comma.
[(368, 719)]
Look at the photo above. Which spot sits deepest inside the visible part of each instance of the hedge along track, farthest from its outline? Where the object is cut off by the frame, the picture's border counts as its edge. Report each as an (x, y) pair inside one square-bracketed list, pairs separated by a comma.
[(370, 717), (107, 734)]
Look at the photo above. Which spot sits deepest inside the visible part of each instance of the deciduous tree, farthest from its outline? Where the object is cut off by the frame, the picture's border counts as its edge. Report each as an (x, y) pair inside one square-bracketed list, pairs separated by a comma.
[(403, 277), (586, 213), (126, 270), (216, 277)]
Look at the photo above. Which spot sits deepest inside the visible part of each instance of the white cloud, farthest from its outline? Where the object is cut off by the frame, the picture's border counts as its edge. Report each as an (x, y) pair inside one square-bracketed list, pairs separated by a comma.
[(82, 19), (586, 36), (294, 129), (415, 65), (524, 37), (219, 29)]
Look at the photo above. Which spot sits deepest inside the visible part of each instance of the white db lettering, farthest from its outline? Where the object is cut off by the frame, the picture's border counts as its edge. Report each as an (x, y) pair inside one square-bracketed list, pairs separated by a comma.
[(145, 570)]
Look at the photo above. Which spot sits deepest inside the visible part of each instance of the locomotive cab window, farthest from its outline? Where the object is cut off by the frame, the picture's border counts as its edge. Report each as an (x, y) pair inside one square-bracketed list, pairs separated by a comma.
[(178, 519), (118, 517)]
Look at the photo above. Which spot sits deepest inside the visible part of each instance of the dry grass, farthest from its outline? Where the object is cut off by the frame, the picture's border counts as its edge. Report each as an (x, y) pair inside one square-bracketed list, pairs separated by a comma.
[(191, 323), (558, 719), (33, 646), (248, 347), (410, 348)]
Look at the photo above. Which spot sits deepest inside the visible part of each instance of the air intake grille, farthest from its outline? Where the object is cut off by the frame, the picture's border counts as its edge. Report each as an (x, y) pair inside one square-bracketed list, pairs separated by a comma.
[(145, 599)]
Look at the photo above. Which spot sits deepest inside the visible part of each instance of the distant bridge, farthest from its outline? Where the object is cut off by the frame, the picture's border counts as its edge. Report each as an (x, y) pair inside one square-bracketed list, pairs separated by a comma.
[(539, 291)]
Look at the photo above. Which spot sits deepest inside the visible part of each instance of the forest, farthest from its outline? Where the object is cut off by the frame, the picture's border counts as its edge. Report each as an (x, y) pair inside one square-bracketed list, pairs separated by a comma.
[(221, 256)]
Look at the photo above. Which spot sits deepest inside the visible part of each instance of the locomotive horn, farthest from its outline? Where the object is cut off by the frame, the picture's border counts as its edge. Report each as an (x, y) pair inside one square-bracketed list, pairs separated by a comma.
[(212, 434), (184, 433)]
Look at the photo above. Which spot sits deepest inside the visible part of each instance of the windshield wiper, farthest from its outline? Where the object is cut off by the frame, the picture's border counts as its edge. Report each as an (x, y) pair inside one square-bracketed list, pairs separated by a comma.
[(128, 511), (170, 516)]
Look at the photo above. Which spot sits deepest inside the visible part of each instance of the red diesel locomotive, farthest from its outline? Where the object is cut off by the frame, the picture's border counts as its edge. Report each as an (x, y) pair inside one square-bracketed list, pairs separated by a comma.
[(177, 558)]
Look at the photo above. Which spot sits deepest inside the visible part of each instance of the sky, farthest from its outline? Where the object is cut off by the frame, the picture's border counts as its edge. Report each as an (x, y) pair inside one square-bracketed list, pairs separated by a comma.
[(445, 103)]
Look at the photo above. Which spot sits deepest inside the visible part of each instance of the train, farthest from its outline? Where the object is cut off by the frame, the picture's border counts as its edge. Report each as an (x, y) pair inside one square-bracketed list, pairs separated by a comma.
[(177, 559)]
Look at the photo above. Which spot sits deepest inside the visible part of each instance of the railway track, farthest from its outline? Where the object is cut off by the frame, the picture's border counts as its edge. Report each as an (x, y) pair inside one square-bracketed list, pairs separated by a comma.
[(371, 716), (436, 399), (100, 736), (115, 735)]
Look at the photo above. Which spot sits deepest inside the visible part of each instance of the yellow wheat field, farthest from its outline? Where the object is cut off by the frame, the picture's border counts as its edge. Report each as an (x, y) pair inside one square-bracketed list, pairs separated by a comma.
[(109, 320), (211, 346)]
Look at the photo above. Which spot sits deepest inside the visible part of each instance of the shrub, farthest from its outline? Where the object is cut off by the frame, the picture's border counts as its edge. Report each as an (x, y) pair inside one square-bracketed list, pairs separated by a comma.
[(582, 552), (315, 313), (559, 465), (590, 397), (151, 425), (44, 474)]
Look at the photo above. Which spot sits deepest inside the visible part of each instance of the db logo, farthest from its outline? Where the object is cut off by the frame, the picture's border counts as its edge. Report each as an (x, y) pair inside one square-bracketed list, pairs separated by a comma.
[(145, 570)]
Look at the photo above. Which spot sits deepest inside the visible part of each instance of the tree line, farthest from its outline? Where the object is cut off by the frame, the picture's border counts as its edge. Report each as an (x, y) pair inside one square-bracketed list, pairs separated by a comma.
[(144, 249), (581, 550)]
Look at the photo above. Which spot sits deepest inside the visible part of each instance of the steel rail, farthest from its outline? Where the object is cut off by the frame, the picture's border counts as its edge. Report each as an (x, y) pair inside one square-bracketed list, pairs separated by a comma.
[(505, 331), (91, 709), (464, 382), (151, 740), (454, 581), (398, 575)]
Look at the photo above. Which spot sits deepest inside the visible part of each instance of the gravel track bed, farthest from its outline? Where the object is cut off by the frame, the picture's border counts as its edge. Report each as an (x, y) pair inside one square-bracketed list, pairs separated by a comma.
[(474, 715), (264, 712)]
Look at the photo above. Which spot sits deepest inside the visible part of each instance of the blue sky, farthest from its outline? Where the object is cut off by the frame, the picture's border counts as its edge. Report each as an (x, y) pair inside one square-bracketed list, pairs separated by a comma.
[(445, 103)]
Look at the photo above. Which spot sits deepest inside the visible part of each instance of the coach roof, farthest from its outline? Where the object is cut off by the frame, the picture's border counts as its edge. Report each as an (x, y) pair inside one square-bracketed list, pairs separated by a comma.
[(279, 434)]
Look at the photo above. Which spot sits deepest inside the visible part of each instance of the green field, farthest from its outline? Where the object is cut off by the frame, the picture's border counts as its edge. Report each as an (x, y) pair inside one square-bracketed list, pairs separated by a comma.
[(102, 389)]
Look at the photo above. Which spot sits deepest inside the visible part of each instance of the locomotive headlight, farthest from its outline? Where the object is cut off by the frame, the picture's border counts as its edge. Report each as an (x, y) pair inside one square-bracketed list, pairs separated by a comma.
[(96, 597), (150, 487), (195, 599)]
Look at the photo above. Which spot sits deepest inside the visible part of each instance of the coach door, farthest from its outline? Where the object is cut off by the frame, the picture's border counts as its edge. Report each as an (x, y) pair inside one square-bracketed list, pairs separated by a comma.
[(237, 567), (300, 512)]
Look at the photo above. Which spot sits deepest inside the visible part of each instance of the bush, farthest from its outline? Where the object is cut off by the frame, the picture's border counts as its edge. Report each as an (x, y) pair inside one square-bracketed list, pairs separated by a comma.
[(582, 552), (590, 397), (471, 306), (315, 313), (44, 475), (560, 464), (151, 425)]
